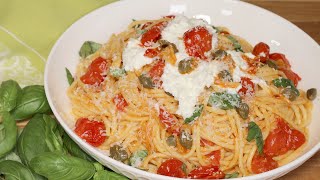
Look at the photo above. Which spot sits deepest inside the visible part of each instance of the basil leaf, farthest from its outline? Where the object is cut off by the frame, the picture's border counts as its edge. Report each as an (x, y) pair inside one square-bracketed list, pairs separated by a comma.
[(117, 72), (13, 170), (57, 166), (8, 133), (69, 76), (74, 149), (285, 83), (236, 44), (255, 133), (224, 100), (137, 158), (31, 101), (11, 156), (197, 112), (233, 175), (9, 91), (108, 175), (40, 135), (98, 166), (88, 48)]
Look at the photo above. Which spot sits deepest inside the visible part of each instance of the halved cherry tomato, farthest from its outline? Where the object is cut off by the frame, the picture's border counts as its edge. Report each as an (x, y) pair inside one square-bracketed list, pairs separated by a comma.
[(206, 172), (120, 102), (93, 132), (262, 50), (151, 53), (204, 142), (94, 72), (262, 163), (170, 121), (282, 139), (280, 57), (247, 88), (295, 78), (153, 34), (173, 168), (215, 157), (156, 72), (197, 41)]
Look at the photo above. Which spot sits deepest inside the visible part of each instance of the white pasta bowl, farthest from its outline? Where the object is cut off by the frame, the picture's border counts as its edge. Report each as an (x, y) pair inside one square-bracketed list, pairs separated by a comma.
[(252, 23)]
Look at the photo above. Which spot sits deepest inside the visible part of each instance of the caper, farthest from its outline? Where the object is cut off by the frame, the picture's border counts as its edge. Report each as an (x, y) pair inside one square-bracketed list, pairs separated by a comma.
[(243, 110), (117, 153), (146, 81), (185, 139), (218, 54), (187, 65), (289, 93), (272, 64), (165, 43), (225, 76), (171, 141), (312, 94)]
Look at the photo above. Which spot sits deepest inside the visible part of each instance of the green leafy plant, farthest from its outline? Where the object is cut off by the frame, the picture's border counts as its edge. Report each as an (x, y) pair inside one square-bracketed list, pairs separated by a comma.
[(108, 175), (88, 48), (255, 133), (9, 91), (137, 157), (197, 112), (233, 175), (31, 101), (8, 133), (57, 166), (224, 100), (69, 76), (13, 170)]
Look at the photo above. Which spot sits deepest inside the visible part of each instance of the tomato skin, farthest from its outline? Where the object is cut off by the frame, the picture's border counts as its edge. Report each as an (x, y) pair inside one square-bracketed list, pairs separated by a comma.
[(204, 142), (206, 172), (170, 121), (156, 72), (261, 48), (151, 53), (247, 88), (215, 157), (295, 78), (197, 41), (94, 72), (285, 64), (93, 132), (282, 139), (153, 34), (173, 168), (120, 102), (262, 163)]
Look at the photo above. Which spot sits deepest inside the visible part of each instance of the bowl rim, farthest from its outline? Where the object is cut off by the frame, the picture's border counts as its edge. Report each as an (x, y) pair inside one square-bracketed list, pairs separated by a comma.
[(97, 153)]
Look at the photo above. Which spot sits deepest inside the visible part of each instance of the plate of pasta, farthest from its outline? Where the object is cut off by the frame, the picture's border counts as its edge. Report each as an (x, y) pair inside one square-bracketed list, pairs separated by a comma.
[(184, 89)]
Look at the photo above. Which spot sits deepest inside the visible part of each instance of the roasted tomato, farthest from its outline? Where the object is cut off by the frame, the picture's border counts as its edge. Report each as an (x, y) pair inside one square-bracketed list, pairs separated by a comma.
[(173, 168), (283, 61), (151, 53), (262, 50), (153, 34), (93, 132), (295, 78), (156, 72), (120, 102), (262, 163), (215, 157), (206, 172), (94, 74), (247, 88), (204, 142), (169, 121), (282, 139), (198, 41)]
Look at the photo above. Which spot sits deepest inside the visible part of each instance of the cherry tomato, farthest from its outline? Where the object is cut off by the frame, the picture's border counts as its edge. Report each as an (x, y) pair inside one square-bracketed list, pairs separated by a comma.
[(170, 16), (282, 58), (262, 163), (206, 172), (262, 50), (295, 78), (153, 34), (120, 102), (173, 168), (93, 132), (151, 53), (282, 139), (197, 41), (215, 157), (247, 88), (170, 121), (156, 72), (204, 142), (94, 72)]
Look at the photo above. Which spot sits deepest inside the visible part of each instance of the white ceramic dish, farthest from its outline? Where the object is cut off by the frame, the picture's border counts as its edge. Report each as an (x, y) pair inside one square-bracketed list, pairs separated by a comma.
[(253, 23)]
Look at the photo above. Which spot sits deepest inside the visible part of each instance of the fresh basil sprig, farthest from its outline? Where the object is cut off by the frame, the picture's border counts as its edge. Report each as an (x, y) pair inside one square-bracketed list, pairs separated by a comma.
[(236, 44), (69, 76), (255, 133), (31, 101), (8, 133), (137, 157), (13, 170), (88, 48), (197, 112), (57, 166), (9, 91), (117, 72), (224, 100), (108, 175), (233, 175)]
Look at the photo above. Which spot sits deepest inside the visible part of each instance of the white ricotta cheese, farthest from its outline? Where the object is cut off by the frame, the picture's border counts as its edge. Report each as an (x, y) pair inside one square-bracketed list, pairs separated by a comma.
[(187, 87), (133, 56)]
